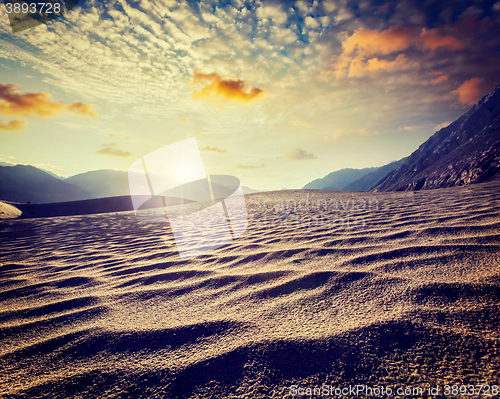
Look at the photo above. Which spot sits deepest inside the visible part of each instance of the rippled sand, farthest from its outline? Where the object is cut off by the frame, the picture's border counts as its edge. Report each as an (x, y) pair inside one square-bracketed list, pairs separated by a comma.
[(390, 289)]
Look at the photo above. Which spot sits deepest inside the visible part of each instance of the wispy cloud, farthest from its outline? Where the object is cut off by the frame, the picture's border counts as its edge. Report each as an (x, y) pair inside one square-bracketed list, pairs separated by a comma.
[(440, 79), (354, 132), (213, 149), (302, 124), (298, 154), (411, 127), (110, 149), (13, 102), (13, 126), (243, 166)]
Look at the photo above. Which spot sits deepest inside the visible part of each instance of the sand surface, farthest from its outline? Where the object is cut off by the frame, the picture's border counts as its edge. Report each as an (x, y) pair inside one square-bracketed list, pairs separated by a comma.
[(387, 289), (8, 211)]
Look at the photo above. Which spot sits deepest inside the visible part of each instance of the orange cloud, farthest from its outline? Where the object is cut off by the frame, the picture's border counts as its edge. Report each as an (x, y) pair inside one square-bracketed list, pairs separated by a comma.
[(13, 126), (432, 39), (362, 51), (470, 91), (82, 109), (16, 103), (440, 79), (213, 149), (228, 89), (374, 64)]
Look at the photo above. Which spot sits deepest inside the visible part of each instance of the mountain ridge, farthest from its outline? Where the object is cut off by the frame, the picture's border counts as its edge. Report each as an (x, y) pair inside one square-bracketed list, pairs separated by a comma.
[(338, 179), (465, 152), (26, 183)]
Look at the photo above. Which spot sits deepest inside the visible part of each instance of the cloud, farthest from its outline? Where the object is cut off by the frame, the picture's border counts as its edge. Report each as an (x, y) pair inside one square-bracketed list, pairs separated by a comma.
[(411, 127), (441, 125), (110, 149), (470, 91), (242, 166), (185, 121), (82, 109), (272, 12), (297, 154), (213, 149), (13, 126), (440, 79), (350, 132), (359, 66), (311, 23), (302, 124), (362, 50), (228, 89), (16, 103), (432, 39)]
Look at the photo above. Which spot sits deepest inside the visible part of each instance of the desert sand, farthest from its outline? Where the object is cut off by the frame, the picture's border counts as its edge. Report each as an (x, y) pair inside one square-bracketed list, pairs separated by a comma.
[(323, 289), (8, 211)]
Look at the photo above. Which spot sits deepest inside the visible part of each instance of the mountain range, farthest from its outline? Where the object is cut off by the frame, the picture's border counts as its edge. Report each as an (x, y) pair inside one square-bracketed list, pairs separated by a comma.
[(465, 152), (26, 183), (339, 179), (353, 179)]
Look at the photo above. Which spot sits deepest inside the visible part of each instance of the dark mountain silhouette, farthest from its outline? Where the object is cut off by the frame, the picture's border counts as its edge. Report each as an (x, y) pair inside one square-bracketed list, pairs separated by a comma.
[(465, 152), (102, 183), (339, 179), (24, 183), (94, 206), (372, 179)]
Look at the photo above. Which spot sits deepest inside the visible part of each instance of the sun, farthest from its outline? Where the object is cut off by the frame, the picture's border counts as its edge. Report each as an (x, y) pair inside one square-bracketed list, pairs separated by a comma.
[(185, 173)]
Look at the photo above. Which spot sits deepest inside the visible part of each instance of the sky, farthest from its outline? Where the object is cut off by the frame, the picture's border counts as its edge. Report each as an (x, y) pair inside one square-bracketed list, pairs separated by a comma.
[(277, 93)]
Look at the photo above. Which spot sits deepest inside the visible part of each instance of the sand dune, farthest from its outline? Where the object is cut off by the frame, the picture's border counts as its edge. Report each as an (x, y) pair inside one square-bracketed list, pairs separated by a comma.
[(8, 211), (387, 289)]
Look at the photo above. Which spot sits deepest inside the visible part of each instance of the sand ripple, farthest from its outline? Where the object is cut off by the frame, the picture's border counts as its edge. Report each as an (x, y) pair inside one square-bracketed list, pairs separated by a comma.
[(393, 289)]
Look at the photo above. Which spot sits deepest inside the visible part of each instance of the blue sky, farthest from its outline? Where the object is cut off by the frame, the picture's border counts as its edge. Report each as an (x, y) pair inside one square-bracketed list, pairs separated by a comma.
[(276, 93)]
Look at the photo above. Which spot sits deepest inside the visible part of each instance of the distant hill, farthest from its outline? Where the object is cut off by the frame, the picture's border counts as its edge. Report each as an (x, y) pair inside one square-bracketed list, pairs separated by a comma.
[(465, 152), (92, 206), (372, 179), (339, 179), (102, 183), (248, 190), (24, 183)]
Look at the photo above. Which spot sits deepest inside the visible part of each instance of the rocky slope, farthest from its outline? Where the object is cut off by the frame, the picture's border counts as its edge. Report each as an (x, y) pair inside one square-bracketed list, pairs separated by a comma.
[(372, 179), (465, 152)]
